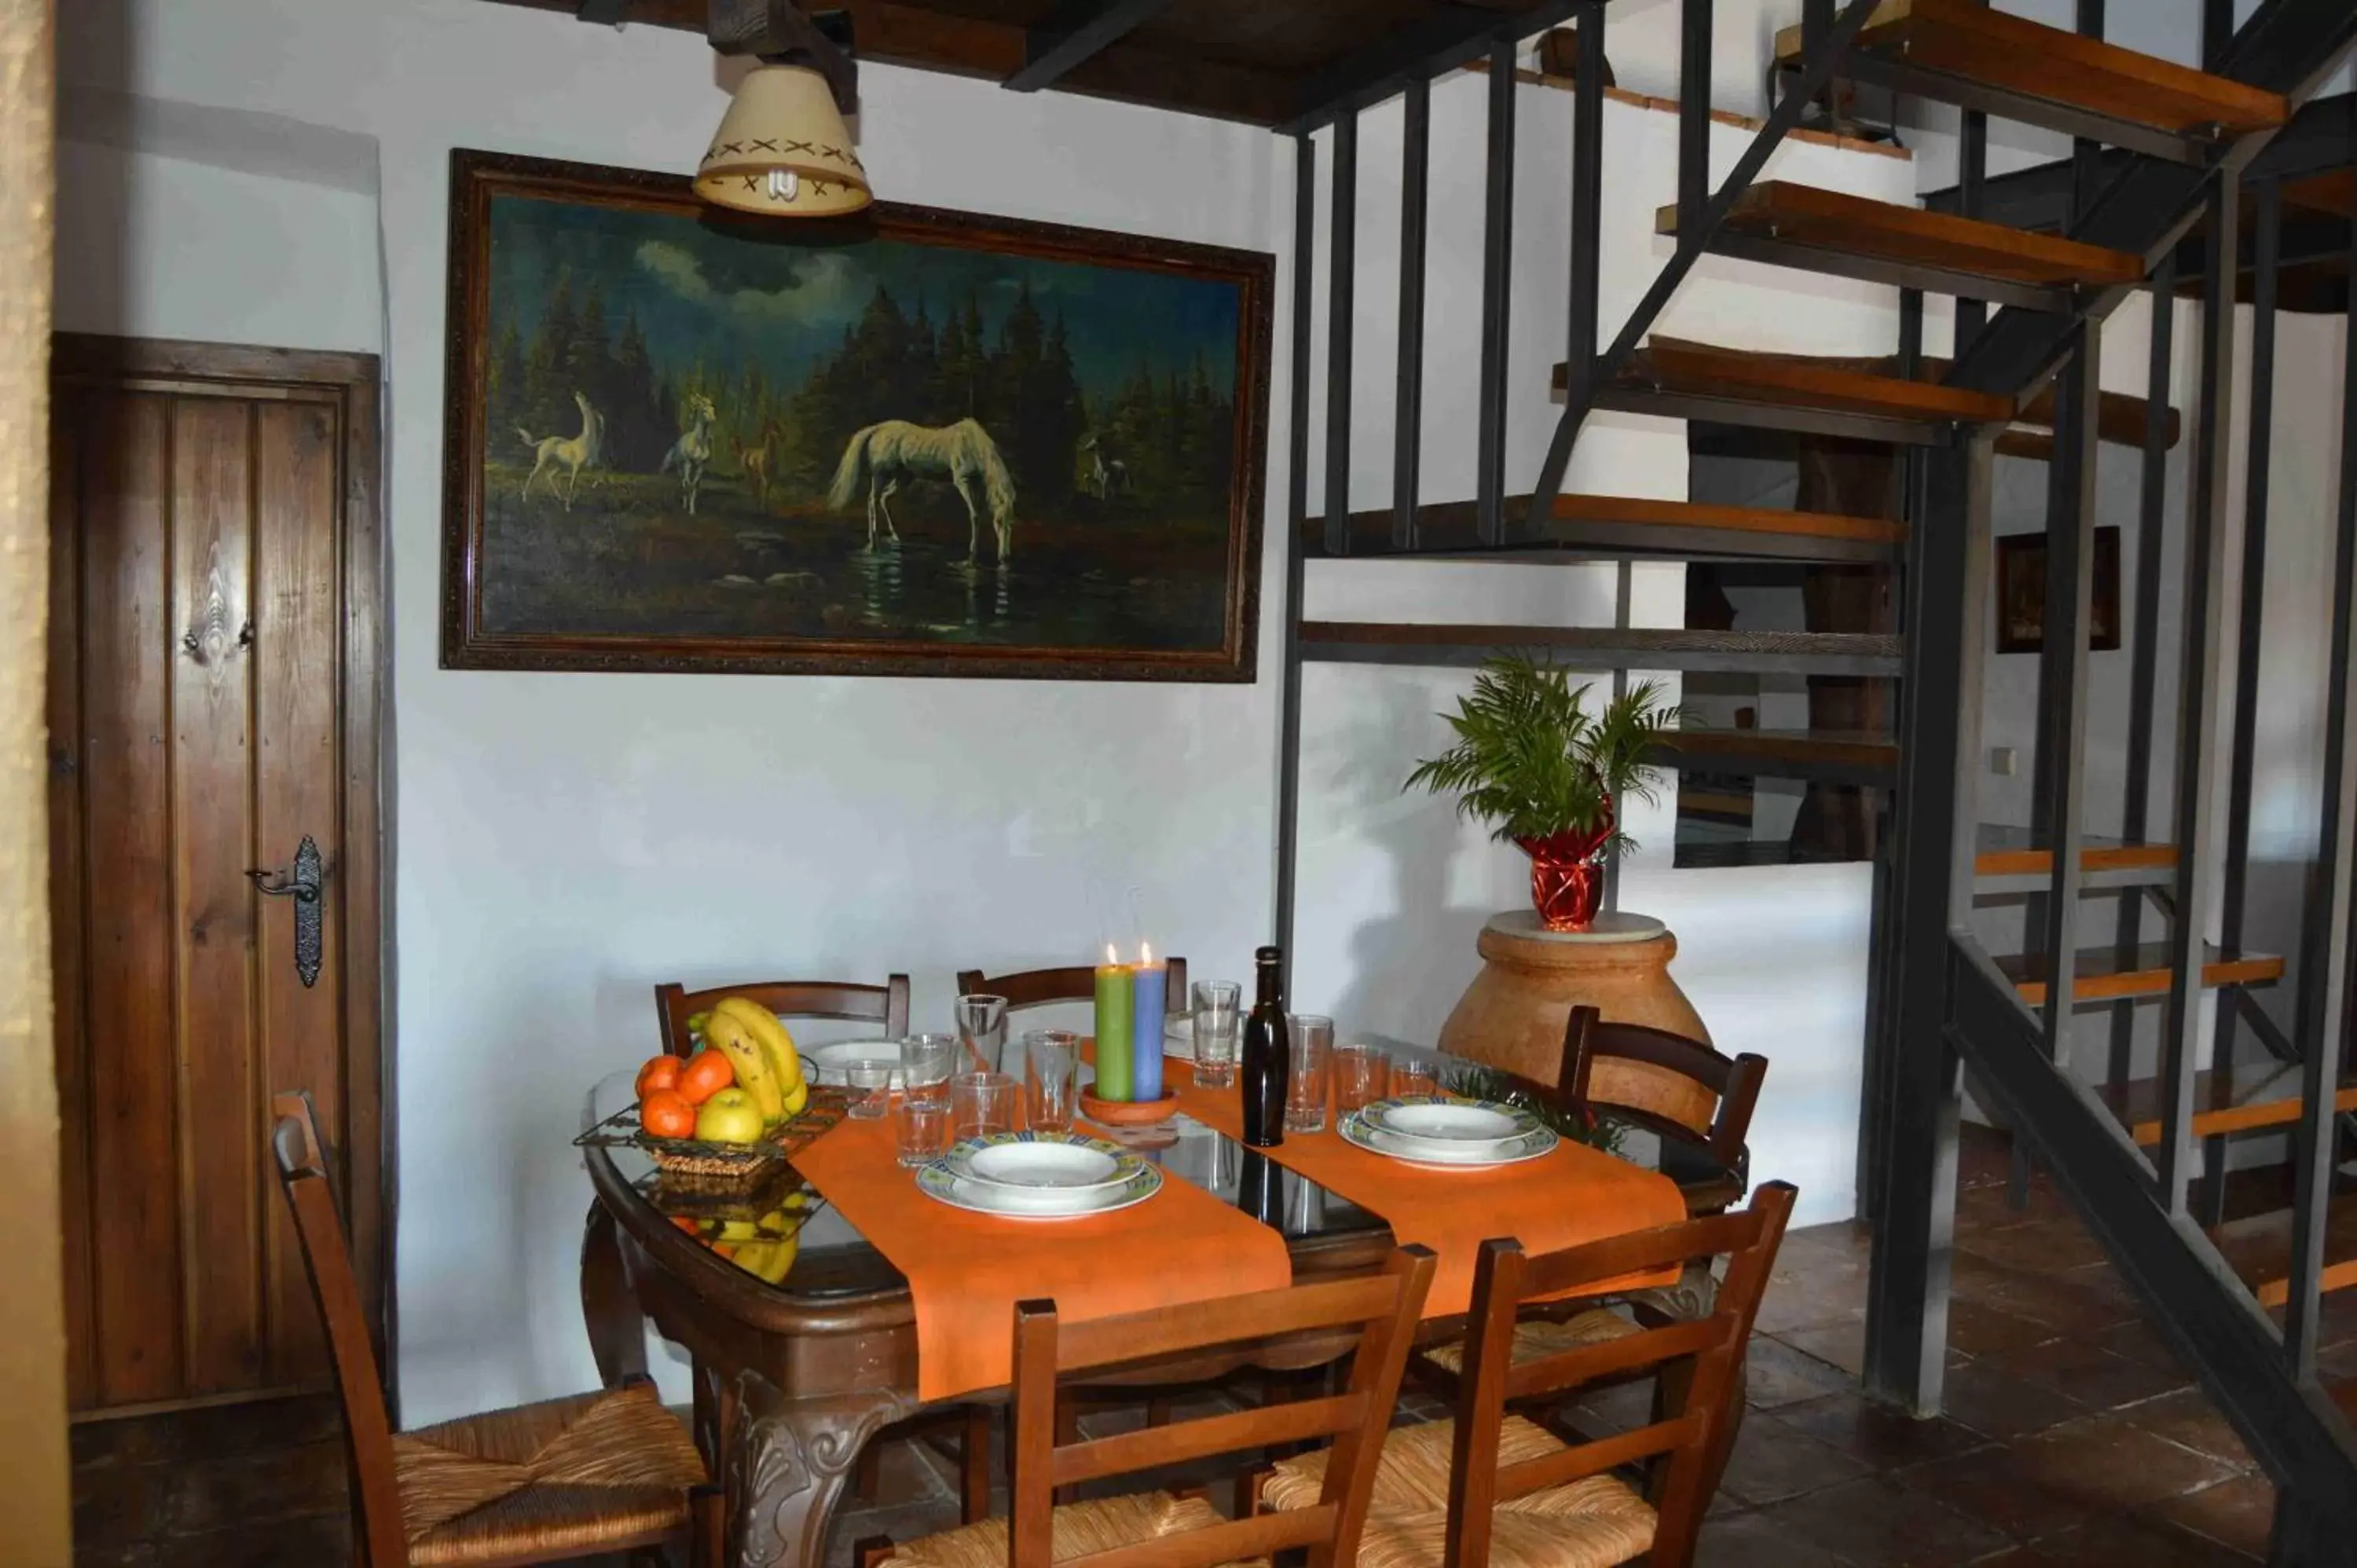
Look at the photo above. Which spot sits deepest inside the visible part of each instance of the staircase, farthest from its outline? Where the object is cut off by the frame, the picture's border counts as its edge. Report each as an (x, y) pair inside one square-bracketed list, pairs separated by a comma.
[(2162, 150)]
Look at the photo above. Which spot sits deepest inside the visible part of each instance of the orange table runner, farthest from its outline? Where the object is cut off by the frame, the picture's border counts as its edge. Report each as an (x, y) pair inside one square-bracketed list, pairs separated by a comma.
[(967, 1270), (1572, 1195)]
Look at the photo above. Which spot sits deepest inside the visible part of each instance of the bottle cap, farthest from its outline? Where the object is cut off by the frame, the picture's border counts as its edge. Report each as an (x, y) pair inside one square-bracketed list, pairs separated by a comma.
[(1268, 955)]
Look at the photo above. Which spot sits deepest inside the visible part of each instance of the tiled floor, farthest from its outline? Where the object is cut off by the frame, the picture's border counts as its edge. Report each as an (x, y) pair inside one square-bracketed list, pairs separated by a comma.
[(2071, 1436)]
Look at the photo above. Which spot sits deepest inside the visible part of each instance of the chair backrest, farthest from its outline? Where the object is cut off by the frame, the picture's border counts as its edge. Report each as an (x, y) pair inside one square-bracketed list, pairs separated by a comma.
[(368, 1430), (1505, 1278), (1379, 1312), (886, 1005), (1676, 1086), (1042, 987)]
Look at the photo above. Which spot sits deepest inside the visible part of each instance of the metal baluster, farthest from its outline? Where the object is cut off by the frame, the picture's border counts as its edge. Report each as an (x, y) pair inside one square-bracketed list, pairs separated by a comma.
[(2266, 209), (2196, 705), (1972, 177), (2062, 675), (1297, 523), (2325, 952), (1587, 193), (1693, 112), (1407, 440), (1497, 286), (1341, 328)]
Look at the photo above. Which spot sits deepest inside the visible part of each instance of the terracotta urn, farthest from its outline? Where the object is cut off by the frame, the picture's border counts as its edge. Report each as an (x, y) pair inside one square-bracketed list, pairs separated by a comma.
[(1512, 1016)]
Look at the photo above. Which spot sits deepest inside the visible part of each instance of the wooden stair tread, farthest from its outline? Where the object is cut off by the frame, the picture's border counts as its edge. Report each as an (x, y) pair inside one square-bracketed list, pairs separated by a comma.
[(1582, 525), (2221, 1105), (1816, 751), (2000, 849), (1736, 375), (2258, 1248), (1642, 648), (1976, 43), (1811, 216), (2100, 976)]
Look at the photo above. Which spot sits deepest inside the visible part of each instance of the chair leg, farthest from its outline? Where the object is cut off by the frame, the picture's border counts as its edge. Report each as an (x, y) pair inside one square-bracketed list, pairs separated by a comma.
[(1067, 1431), (973, 1467), (870, 1551), (1158, 1410)]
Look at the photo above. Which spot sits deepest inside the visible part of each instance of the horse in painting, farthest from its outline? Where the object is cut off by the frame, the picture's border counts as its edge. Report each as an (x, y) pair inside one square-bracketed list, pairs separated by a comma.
[(571, 454), (692, 453), (882, 458)]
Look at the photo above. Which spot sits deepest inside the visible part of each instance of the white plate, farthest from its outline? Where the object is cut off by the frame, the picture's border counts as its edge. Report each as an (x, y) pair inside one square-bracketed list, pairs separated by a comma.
[(1438, 1119), (824, 1064), (1179, 1036), (937, 1181), (1042, 1162), (1514, 1151)]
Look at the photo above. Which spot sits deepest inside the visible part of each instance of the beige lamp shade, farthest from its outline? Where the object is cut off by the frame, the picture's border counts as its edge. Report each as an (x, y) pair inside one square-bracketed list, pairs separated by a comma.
[(782, 148)]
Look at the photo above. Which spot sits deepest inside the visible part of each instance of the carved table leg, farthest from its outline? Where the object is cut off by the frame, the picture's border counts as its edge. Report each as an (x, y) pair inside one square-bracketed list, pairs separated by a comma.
[(617, 1330), (789, 1462)]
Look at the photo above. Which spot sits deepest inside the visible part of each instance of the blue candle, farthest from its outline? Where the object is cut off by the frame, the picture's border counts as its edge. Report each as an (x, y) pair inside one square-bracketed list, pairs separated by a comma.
[(1114, 1015), (1150, 989)]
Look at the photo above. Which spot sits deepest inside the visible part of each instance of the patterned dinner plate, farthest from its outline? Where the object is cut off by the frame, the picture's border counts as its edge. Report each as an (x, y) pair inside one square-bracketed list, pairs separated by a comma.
[(1450, 1123), (1042, 1162), (1530, 1145), (937, 1181)]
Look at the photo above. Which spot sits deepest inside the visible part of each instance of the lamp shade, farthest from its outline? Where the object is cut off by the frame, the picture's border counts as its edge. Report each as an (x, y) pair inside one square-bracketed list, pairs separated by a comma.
[(782, 148)]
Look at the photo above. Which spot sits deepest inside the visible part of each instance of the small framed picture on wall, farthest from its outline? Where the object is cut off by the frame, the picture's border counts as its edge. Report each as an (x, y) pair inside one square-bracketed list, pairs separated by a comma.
[(2021, 593)]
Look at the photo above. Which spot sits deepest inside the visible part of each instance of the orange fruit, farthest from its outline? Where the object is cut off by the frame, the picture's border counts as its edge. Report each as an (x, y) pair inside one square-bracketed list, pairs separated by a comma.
[(707, 1072), (661, 1072), (667, 1114), (724, 1249), (684, 1223)]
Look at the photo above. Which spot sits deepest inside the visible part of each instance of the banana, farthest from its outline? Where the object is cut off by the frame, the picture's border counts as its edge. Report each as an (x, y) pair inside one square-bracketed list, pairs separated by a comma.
[(763, 1025), (726, 1032), (769, 1261), (796, 1099)]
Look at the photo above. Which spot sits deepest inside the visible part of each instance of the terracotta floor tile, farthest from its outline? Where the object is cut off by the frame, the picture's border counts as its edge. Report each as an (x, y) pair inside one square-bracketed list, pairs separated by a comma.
[(2188, 1418), (1997, 1403), (2125, 1541), (2139, 1341), (2108, 1460), (1749, 1540), (2045, 1246), (1980, 1329), (1776, 1374), (1774, 1461), (1839, 1344), (1876, 1433), (300, 1543), (1877, 1524), (2239, 1513), (2093, 1375), (1993, 1486)]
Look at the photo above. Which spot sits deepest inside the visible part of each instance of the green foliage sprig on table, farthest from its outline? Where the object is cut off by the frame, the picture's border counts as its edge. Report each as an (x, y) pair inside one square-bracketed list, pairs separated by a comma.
[(1532, 761), (1474, 1081)]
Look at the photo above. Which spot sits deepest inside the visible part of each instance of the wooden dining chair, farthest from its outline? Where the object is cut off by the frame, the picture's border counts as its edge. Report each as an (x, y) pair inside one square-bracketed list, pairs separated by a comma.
[(597, 1473), (1488, 1486), (885, 1005), (1696, 1101), (1043, 987), (1373, 1320)]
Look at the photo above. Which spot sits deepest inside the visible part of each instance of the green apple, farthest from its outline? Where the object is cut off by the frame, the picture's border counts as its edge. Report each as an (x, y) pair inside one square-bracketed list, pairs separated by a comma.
[(730, 1116)]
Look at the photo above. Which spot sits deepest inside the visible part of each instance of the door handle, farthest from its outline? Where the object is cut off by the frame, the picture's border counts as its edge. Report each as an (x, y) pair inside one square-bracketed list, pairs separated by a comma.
[(301, 884)]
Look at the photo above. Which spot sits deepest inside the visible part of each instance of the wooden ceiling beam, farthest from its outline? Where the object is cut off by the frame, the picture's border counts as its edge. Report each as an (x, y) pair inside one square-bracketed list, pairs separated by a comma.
[(1077, 31), (901, 34), (1446, 39)]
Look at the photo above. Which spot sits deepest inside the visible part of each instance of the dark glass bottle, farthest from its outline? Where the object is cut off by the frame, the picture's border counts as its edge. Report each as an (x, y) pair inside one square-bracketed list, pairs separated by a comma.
[(1267, 1061), (1259, 1190)]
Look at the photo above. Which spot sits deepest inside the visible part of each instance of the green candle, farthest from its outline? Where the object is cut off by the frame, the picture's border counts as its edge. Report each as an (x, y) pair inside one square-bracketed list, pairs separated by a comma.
[(1115, 997)]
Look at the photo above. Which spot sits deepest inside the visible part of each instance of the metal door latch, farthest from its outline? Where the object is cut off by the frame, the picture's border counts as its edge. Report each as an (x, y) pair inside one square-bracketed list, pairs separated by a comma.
[(301, 884)]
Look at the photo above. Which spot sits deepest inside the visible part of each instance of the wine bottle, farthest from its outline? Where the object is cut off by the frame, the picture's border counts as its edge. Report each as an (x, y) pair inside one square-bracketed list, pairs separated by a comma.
[(1267, 1065)]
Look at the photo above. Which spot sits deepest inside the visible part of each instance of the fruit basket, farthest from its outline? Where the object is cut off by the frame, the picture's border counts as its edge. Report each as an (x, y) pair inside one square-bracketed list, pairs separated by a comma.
[(722, 1166)]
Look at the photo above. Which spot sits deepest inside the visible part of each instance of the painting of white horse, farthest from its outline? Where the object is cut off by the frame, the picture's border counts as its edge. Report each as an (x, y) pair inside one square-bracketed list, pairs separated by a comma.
[(692, 453), (572, 454), (882, 458)]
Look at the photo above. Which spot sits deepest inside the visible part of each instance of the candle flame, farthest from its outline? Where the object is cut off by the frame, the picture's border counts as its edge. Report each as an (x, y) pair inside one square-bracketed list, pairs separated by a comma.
[(1145, 952), (1110, 957)]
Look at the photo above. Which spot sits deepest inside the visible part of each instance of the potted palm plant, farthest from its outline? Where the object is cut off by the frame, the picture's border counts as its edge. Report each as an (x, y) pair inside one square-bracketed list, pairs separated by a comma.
[(1539, 767)]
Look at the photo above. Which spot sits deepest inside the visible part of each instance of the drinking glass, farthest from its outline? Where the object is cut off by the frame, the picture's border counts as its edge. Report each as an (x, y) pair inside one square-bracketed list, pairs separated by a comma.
[(982, 1103), (1051, 1074), (920, 1124), (1414, 1075), (1362, 1075), (927, 1061), (1313, 1060), (981, 1025), (870, 1079), (1218, 1018)]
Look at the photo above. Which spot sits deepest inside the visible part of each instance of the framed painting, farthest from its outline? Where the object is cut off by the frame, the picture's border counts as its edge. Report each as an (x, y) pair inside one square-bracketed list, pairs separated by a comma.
[(915, 442), (2021, 593)]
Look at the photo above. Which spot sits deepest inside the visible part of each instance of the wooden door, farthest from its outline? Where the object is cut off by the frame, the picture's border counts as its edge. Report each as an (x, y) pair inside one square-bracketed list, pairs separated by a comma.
[(213, 656)]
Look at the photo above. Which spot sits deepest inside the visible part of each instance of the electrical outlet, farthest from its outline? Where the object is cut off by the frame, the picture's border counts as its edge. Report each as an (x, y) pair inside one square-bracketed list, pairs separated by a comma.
[(2003, 760)]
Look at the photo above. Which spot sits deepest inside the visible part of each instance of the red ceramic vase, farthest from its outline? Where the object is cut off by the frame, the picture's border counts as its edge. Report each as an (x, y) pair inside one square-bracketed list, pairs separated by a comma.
[(1568, 875)]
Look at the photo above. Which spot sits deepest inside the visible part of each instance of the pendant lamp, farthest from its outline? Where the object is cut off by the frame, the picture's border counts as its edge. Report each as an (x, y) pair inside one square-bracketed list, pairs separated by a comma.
[(784, 149)]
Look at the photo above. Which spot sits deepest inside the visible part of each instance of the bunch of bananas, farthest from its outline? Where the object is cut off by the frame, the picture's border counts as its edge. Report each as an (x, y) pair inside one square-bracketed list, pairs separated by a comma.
[(762, 1053)]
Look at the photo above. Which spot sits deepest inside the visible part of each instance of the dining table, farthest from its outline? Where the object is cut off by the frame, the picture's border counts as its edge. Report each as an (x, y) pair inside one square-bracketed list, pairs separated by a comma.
[(792, 1379)]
